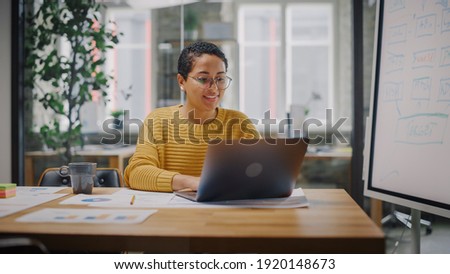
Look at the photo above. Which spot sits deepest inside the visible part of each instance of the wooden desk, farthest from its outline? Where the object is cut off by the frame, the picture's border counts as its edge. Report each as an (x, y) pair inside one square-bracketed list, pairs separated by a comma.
[(115, 156), (332, 224)]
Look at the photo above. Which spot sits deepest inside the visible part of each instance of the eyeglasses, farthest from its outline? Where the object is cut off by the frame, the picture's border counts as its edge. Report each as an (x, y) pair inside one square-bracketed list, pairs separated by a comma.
[(221, 82)]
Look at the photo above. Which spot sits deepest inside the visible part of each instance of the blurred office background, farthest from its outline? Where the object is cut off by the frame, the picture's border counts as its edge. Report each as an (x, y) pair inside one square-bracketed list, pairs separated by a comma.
[(286, 57)]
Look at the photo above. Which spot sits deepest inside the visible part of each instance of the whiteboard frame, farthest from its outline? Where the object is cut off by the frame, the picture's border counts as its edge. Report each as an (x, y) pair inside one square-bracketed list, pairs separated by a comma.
[(378, 193)]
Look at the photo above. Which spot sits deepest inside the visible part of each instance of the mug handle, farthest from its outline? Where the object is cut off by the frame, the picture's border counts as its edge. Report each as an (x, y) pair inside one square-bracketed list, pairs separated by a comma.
[(96, 181), (64, 171)]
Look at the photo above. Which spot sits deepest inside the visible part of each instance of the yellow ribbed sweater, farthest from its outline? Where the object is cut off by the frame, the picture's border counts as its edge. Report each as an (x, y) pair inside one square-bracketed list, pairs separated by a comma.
[(170, 145)]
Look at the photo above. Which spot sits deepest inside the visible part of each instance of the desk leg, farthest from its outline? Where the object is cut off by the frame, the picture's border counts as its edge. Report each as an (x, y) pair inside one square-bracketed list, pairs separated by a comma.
[(376, 211), (29, 171)]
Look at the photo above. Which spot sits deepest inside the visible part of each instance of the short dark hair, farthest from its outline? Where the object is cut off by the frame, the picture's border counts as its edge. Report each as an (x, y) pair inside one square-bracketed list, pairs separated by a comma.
[(197, 49)]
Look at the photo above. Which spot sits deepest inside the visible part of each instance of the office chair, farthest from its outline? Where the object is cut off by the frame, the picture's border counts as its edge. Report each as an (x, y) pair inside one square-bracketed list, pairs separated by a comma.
[(21, 245), (106, 177)]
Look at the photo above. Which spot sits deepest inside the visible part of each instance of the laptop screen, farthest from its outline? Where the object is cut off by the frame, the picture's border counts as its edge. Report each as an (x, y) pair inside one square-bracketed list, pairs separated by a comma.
[(251, 169)]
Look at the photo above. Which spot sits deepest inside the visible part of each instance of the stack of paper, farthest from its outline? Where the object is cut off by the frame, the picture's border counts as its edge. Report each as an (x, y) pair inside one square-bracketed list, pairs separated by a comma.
[(27, 197), (7, 190)]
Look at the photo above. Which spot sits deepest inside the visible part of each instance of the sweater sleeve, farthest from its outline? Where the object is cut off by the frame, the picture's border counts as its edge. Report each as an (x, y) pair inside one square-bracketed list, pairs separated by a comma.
[(144, 170)]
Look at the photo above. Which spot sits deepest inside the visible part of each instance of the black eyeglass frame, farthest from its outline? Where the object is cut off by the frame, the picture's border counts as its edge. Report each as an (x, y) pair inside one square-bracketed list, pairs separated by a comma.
[(211, 80)]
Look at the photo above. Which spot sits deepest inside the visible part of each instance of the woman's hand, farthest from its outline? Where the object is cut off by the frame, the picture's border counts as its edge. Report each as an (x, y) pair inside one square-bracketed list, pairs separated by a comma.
[(185, 182)]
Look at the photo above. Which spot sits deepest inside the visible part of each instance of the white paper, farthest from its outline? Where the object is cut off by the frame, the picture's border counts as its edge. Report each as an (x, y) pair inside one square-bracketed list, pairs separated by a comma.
[(30, 200), (31, 190), (147, 199), (91, 216), (24, 199), (11, 209), (297, 199)]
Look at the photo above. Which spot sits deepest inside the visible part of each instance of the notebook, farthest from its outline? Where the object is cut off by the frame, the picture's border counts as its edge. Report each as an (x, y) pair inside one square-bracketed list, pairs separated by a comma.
[(249, 169)]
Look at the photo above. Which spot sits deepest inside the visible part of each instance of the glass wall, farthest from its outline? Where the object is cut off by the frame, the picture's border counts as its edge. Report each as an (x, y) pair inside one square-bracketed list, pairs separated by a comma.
[(311, 54), (261, 61), (130, 63), (293, 46)]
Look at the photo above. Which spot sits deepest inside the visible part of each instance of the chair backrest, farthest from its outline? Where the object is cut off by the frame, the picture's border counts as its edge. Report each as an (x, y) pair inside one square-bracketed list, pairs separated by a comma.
[(21, 245), (106, 177)]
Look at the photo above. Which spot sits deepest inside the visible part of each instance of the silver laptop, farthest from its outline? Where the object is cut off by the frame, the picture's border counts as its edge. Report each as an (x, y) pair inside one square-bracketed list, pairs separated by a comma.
[(249, 169)]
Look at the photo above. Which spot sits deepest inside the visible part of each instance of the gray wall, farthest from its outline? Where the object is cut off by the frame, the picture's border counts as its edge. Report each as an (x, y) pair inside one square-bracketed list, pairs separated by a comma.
[(5, 91)]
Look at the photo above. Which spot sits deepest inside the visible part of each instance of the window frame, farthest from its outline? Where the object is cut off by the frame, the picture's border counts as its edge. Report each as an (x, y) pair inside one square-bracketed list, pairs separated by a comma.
[(330, 43), (286, 44)]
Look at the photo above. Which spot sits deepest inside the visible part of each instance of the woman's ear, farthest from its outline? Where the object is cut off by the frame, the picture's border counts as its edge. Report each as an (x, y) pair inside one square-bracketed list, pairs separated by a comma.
[(181, 81)]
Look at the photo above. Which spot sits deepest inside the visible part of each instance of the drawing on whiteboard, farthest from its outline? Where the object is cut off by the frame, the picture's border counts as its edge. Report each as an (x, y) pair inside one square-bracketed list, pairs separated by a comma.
[(397, 34), (422, 128), (424, 58), (389, 175), (426, 25), (445, 57), (421, 88), (396, 5), (395, 62), (422, 116), (392, 91), (443, 3), (444, 90), (445, 24)]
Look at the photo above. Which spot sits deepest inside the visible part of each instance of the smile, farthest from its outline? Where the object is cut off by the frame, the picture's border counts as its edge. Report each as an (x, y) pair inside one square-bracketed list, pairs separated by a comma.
[(211, 96)]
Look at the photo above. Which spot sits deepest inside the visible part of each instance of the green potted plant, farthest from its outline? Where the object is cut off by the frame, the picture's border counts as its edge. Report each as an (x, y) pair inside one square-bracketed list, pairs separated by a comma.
[(64, 80), (118, 117), (191, 22)]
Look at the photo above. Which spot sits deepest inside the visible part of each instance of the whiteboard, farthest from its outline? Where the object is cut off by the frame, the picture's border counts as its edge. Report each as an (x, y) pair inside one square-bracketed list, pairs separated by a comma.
[(407, 156)]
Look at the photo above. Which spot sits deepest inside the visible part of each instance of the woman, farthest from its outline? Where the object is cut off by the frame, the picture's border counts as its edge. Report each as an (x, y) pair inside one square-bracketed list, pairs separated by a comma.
[(173, 140)]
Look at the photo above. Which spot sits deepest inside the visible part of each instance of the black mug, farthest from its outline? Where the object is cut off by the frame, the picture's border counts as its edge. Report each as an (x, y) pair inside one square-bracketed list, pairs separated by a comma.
[(82, 176)]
